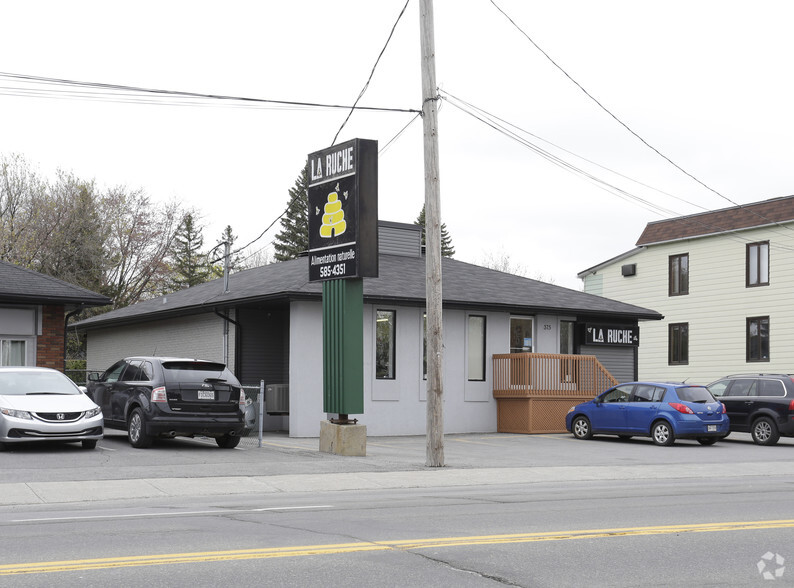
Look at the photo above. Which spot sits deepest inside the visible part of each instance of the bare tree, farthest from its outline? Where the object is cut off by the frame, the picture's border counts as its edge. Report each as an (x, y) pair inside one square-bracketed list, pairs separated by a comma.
[(72, 241), (501, 261), (21, 192), (139, 238)]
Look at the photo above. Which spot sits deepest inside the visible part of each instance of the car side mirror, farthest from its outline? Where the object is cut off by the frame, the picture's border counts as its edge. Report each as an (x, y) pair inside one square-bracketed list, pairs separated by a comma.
[(93, 377)]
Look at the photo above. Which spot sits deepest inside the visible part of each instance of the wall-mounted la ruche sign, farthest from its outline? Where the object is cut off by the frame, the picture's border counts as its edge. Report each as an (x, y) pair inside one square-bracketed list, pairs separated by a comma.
[(612, 335), (343, 211)]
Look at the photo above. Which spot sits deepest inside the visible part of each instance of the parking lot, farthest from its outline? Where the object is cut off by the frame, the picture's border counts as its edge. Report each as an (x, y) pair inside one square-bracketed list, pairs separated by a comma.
[(281, 455)]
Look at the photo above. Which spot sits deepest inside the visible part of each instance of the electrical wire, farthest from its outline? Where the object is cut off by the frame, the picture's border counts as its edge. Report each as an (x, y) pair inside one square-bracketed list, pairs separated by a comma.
[(122, 93), (371, 73), (629, 129), (499, 125), (447, 95), (558, 161)]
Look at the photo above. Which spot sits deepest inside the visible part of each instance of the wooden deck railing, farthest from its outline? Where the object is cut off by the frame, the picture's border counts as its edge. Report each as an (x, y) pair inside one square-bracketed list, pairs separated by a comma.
[(534, 375)]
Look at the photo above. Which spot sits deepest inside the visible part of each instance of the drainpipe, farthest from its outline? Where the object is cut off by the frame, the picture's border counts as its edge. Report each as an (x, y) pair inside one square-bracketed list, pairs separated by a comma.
[(69, 315), (227, 320)]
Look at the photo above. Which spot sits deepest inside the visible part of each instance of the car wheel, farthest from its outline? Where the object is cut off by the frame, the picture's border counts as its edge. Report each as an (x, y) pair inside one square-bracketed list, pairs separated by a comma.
[(89, 443), (707, 440), (765, 431), (136, 430), (228, 441), (581, 428), (662, 433)]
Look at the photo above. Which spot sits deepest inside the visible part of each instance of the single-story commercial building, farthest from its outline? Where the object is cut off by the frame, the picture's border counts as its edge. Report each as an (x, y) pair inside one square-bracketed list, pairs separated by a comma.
[(268, 326)]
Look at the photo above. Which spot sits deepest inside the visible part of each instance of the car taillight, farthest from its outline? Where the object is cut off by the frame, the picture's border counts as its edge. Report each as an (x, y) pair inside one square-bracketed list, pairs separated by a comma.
[(242, 399), (724, 410), (791, 406), (158, 395), (681, 407)]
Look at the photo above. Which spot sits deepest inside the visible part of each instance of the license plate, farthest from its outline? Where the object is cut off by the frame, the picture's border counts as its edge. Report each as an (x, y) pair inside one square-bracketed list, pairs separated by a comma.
[(712, 428), (206, 394)]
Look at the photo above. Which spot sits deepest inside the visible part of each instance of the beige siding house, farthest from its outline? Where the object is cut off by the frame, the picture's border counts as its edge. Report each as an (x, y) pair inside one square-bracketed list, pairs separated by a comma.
[(724, 281)]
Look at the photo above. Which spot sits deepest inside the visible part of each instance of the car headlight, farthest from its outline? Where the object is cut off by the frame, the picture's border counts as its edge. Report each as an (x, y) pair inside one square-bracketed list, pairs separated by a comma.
[(93, 412), (17, 414)]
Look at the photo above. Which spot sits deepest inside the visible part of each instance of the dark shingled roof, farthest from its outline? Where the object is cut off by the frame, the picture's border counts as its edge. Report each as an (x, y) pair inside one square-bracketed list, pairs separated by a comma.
[(746, 216), (401, 281), (23, 286)]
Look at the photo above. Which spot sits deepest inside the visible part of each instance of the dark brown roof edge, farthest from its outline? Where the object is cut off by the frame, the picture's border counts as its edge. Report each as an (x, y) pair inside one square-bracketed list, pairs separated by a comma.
[(743, 216)]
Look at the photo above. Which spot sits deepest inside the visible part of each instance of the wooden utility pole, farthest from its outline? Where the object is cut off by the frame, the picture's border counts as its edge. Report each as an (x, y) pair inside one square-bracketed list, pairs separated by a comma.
[(435, 380)]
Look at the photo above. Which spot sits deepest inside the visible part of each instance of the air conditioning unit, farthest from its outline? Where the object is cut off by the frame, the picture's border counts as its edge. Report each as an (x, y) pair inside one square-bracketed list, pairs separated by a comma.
[(630, 269), (277, 399)]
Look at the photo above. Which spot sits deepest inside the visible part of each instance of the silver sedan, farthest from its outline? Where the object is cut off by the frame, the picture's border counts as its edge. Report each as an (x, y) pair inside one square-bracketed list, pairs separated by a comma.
[(42, 404)]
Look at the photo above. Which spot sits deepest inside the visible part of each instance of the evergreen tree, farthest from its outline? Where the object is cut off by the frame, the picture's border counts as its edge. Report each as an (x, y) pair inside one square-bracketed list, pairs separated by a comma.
[(447, 249), (293, 239), (190, 266)]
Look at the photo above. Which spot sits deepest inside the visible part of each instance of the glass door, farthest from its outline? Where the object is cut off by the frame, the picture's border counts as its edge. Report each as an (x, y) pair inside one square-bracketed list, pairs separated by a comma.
[(520, 342), (520, 334)]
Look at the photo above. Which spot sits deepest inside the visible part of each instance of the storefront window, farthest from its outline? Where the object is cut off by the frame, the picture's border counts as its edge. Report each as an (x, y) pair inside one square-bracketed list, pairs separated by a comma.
[(385, 344)]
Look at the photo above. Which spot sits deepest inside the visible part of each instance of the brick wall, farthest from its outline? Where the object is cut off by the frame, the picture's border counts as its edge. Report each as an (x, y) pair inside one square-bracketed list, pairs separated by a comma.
[(49, 345)]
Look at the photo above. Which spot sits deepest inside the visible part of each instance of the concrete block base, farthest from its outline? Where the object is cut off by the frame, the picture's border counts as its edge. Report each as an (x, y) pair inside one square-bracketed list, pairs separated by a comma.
[(343, 439)]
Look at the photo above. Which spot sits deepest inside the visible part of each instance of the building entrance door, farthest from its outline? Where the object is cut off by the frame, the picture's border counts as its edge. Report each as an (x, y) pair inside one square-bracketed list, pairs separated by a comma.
[(520, 334)]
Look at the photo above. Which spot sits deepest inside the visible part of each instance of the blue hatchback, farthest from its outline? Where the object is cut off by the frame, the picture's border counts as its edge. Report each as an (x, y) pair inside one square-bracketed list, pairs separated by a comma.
[(664, 412)]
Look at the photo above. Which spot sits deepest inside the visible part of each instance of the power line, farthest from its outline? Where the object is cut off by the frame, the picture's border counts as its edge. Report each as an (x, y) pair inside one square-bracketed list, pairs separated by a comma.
[(629, 129), (609, 112), (558, 161), (107, 90), (447, 96), (491, 121), (371, 73)]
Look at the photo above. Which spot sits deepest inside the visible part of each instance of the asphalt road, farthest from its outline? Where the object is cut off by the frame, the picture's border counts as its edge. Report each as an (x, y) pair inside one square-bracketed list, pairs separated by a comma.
[(507, 510)]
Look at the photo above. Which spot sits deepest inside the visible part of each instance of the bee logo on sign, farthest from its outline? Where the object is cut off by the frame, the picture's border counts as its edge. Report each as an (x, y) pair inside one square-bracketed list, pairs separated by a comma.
[(333, 216), (343, 211)]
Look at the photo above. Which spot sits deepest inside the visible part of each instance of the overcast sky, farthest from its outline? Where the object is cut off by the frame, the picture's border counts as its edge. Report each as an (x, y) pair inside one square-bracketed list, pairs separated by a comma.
[(706, 83)]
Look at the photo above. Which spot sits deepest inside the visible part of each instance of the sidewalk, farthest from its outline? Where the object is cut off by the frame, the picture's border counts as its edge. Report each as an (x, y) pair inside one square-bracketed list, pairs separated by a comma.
[(287, 465)]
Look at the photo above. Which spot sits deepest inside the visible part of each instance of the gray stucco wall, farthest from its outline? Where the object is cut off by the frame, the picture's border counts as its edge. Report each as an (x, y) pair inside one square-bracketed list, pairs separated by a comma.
[(398, 406)]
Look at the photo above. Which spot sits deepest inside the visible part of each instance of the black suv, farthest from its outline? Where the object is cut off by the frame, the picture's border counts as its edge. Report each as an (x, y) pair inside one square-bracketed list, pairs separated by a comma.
[(167, 397), (759, 404)]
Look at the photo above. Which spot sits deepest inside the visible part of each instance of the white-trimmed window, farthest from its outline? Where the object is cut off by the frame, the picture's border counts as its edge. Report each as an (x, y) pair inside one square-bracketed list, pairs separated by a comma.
[(385, 344), (13, 352)]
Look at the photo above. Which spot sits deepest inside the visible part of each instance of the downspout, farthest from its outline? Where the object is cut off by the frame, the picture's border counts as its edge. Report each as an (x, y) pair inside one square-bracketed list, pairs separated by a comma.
[(69, 315), (226, 335)]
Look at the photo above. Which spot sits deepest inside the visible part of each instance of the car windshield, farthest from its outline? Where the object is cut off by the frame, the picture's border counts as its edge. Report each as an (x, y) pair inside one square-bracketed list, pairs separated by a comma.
[(23, 383), (694, 394)]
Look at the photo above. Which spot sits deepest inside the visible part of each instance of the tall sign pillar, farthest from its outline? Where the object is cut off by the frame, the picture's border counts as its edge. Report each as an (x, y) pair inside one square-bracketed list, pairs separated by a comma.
[(343, 249)]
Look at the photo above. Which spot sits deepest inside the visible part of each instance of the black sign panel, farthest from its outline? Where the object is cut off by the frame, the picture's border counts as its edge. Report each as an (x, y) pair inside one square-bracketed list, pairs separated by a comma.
[(343, 211), (612, 335)]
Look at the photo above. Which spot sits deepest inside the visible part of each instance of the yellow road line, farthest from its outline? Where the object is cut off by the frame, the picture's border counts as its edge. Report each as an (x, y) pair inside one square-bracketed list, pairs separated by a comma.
[(359, 547)]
